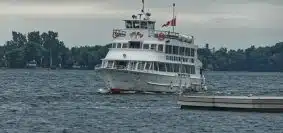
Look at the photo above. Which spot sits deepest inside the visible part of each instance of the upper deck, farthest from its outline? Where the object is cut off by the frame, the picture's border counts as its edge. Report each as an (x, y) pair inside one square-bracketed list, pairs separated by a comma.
[(140, 46), (143, 30), (140, 37)]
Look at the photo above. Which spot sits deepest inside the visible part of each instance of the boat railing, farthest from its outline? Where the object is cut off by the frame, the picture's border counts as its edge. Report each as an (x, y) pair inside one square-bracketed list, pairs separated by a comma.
[(167, 33), (174, 35), (120, 67), (97, 66), (184, 75)]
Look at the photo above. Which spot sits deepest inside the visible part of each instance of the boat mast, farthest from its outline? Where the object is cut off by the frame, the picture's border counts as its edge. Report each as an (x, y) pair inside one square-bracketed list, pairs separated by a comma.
[(142, 13), (142, 6), (173, 26)]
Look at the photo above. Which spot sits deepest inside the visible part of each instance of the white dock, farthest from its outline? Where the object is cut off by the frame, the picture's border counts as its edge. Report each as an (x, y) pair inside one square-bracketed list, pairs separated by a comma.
[(232, 103)]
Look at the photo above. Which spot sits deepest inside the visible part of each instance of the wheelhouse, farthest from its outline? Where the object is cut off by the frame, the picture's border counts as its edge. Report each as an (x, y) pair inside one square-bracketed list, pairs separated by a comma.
[(140, 24)]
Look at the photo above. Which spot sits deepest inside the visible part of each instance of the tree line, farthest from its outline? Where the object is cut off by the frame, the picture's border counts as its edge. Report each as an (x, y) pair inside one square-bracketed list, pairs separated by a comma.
[(48, 51), (261, 59)]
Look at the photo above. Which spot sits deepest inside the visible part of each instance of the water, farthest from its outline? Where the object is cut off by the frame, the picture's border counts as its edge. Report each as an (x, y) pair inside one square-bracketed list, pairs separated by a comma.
[(67, 102)]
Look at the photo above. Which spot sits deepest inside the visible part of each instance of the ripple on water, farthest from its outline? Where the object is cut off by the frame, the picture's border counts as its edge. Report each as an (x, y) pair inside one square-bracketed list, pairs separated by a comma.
[(66, 101)]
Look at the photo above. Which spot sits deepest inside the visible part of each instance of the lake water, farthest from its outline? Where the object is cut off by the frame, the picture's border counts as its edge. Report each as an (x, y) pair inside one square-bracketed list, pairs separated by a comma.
[(65, 101)]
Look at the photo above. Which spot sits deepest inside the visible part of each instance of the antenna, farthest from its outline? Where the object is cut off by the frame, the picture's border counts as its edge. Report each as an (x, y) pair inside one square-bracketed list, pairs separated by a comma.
[(142, 6), (140, 15), (174, 17)]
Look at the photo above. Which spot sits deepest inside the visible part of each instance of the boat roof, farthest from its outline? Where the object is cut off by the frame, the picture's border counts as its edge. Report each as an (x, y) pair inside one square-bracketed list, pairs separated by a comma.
[(139, 20)]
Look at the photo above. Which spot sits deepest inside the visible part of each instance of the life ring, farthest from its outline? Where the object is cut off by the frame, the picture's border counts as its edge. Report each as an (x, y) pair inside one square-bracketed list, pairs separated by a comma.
[(161, 36)]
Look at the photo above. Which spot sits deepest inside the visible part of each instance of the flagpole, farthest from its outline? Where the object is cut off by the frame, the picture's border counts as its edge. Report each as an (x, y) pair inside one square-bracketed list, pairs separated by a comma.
[(142, 6), (173, 15)]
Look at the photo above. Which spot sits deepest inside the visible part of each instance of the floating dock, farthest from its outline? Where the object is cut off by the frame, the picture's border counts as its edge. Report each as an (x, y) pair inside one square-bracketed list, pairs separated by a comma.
[(232, 103)]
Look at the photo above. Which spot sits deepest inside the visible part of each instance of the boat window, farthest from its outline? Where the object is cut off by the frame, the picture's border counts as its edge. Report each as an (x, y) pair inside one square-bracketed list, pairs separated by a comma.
[(167, 58), (171, 49), (155, 66), (175, 58), (135, 44), (119, 45), (188, 69), (109, 64), (183, 68), (125, 45), (113, 45), (193, 70), (160, 47), (136, 24), (169, 67), (103, 64), (139, 24), (171, 58), (172, 66), (182, 51), (192, 52), (175, 49), (121, 64), (168, 49), (176, 67), (133, 65), (147, 66), (188, 52), (144, 25), (145, 46), (153, 47), (185, 59), (129, 24), (141, 65), (151, 25), (162, 67)]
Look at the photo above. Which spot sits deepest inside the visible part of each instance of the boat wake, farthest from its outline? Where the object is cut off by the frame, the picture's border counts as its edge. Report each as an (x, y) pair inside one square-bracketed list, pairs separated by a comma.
[(103, 91), (108, 91)]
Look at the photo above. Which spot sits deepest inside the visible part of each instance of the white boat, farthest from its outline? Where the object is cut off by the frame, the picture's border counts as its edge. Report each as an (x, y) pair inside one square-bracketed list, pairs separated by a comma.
[(144, 59)]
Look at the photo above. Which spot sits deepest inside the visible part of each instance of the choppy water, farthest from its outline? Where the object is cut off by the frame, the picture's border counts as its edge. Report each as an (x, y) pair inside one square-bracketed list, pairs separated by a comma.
[(66, 102)]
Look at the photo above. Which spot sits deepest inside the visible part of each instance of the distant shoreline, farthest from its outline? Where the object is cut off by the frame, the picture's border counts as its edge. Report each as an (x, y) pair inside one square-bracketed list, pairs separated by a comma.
[(39, 68)]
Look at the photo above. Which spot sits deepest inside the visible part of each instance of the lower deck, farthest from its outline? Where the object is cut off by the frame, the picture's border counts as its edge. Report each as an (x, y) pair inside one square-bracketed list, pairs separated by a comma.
[(125, 80), (171, 68)]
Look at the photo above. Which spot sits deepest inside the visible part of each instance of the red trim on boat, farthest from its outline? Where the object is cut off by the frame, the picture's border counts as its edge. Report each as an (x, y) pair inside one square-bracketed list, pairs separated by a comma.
[(115, 90)]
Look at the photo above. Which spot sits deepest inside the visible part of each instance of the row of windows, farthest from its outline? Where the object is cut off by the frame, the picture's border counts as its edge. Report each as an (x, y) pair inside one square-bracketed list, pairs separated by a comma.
[(169, 67), (156, 66), (170, 49), (183, 59), (157, 47), (119, 45), (140, 24)]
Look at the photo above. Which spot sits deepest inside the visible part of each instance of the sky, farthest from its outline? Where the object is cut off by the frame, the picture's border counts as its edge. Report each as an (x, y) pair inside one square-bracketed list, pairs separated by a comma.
[(221, 23)]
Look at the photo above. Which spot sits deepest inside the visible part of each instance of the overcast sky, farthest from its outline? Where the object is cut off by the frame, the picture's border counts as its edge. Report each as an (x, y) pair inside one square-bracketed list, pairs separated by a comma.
[(221, 23)]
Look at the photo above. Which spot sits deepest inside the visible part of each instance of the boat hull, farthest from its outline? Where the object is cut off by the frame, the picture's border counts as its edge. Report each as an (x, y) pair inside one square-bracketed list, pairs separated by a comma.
[(124, 80)]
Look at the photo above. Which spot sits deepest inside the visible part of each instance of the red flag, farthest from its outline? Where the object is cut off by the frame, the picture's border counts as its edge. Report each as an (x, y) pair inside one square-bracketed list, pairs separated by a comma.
[(170, 23), (173, 22)]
